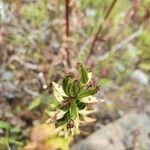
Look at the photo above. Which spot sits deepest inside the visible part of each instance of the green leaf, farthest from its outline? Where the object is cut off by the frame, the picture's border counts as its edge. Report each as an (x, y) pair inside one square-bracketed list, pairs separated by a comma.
[(73, 110), (57, 95), (65, 83), (80, 104), (4, 125), (15, 130), (10, 140), (53, 104), (34, 104), (62, 121), (87, 92), (145, 66), (59, 89), (74, 88), (89, 99), (69, 84), (84, 73)]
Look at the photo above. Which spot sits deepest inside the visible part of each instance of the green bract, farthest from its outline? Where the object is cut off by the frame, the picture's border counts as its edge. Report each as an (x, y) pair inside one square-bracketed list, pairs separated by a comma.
[(72, 99)]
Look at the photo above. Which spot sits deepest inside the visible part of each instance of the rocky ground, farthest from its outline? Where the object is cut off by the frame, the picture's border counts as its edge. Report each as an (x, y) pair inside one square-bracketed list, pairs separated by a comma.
[(131, 132)]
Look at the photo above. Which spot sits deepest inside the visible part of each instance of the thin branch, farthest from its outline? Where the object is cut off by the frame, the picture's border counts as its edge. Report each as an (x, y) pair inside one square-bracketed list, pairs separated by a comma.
[(33, 93), (122, 43), (67, 32), (67, 17), (129, 38), (101, 25)]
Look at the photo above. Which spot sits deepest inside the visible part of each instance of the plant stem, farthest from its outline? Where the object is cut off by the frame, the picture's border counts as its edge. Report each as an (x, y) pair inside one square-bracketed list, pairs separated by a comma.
[(68, 56), (67, 17), (101, 25)]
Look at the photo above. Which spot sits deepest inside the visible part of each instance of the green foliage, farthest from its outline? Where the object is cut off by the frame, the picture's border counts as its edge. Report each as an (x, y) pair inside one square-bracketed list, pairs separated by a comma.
[(74, 95), (4, 125), (34, 104), (145, 63), (144, 44), (36, 13), (84, 73), (6, 140)]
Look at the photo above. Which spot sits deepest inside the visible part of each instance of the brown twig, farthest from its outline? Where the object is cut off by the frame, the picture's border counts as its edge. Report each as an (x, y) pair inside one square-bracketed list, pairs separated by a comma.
[(67, 32), (101, 25), (122, 43), (67, 17)]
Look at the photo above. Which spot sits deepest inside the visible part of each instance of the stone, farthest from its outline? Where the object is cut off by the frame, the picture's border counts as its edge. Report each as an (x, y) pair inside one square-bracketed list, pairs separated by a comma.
[(123, 134), (140, 77), (7, 75)]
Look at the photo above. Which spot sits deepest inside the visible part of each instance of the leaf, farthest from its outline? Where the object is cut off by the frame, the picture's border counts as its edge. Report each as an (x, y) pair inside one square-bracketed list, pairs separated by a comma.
[(63, 120), (80, 104), (89, 119), (34, 104), (4, 125), (70, 82), (56, 114), (66, 81), (84, 73), (145, 66), (89, 76), (57, 95), (74, 88), (87, 92), (71, 89), (59, 89), (89, 99), (53, 104), (60, 114), (73, 110), (15, 130), (10, 140), (85, 112)]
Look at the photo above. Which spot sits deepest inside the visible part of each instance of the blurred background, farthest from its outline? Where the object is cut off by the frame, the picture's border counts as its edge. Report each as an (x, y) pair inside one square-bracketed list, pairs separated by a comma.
[(111, 36)]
